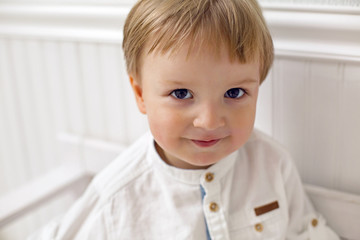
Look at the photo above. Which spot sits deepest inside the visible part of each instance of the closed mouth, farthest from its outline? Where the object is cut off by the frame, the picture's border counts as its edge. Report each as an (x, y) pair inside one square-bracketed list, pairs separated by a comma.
[(207, 143)]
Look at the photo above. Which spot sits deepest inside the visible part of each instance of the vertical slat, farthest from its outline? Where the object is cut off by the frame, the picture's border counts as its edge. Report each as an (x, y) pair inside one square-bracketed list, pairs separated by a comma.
[(41, 106), (11, 160), (113, 78), (264, 109), (324, 111), (5, 115), (289, 109), (55, 80), (22, 145), (19, 111), (93, 89), (73, 88), (350, 120), (56, 88)]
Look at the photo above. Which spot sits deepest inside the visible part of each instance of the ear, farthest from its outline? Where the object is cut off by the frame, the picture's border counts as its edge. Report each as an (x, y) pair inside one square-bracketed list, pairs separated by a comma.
[(138, 94)]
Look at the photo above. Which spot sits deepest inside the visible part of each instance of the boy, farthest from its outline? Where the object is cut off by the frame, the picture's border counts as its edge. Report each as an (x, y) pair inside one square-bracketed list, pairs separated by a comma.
[(195, 67)]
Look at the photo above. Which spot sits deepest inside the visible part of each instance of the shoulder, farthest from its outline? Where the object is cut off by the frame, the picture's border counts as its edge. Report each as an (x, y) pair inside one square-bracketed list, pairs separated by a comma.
[(261, 143), (262, 150), (124, 169)]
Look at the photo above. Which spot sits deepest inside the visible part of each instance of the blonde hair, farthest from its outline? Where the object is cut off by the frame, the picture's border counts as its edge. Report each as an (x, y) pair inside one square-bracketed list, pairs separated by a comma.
[(165, 25)]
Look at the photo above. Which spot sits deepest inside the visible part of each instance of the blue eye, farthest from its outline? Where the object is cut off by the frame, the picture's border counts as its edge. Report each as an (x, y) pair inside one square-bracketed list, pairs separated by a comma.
[(181, 94), (234, 93)]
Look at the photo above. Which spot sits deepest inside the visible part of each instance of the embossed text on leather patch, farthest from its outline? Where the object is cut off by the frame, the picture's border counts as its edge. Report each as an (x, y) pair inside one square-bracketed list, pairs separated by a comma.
[(266, 208)]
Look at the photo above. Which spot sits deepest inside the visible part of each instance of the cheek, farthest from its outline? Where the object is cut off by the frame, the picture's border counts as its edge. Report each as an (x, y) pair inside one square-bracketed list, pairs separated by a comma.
[(165, 123), (244, 118)]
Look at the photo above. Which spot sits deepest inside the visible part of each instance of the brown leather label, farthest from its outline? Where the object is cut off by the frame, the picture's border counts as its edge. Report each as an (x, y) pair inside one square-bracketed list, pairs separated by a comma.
[(266, 208)]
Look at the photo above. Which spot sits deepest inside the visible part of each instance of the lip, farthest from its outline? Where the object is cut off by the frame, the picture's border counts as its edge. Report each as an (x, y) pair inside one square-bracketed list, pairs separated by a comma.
[(207, 143)]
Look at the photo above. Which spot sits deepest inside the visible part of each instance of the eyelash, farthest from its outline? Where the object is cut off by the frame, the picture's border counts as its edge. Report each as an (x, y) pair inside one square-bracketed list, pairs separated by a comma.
[(241, 91), (177, 93)]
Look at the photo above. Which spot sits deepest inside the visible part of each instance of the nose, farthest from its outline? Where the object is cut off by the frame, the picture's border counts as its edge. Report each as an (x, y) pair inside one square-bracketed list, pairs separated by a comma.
[(209, 117)]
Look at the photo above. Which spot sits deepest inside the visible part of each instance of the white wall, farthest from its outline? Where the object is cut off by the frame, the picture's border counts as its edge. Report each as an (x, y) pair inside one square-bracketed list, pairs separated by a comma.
[(62, 71), (352, 3)]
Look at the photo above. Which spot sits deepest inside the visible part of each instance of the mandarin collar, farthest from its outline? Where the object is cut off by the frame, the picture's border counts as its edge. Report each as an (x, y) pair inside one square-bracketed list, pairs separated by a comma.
[(189, 176)]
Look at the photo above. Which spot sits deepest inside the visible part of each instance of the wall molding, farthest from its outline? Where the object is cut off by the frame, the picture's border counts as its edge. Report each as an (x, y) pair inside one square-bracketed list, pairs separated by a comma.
[(325, 33), (88, 23), (321, 32)]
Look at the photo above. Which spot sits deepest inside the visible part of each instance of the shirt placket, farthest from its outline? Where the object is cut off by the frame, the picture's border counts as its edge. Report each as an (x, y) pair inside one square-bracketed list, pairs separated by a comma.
[(213, 208)]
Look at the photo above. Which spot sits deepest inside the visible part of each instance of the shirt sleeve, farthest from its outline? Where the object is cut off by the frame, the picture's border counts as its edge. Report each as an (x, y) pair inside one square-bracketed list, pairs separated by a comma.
[(73, 221), (304, 222)]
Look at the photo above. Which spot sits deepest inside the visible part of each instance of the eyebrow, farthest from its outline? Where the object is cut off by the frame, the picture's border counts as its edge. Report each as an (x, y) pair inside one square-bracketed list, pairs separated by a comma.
[(243, 81), (247, 80)]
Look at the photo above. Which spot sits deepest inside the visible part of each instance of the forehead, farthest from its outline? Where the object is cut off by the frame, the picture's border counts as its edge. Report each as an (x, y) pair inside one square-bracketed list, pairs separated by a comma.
[(194, 63)]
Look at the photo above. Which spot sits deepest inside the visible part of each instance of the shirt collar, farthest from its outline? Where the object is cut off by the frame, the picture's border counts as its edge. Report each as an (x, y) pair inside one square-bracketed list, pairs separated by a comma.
[(189, 176)]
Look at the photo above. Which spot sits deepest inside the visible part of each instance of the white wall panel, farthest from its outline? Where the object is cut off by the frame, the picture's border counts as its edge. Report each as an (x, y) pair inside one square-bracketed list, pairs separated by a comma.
[(14, 169), (113, 80), (18, 111), (41, 104), (325, 89), (349, 151), (74, 88), (93, 89), (56, 87), (289, 109), (26, 93), (264, 105)]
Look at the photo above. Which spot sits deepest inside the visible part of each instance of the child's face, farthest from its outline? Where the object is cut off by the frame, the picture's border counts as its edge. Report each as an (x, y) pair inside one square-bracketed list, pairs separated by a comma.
[(200, 108)]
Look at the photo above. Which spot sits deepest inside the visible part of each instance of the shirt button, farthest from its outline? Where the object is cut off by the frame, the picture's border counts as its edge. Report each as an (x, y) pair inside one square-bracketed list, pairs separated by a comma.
[(209, 177), (314, 222), (259, 227), (213, 207)]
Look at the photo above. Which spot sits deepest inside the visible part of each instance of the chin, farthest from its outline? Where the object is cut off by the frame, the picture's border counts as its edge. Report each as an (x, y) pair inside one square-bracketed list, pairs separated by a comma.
[(204, 161)]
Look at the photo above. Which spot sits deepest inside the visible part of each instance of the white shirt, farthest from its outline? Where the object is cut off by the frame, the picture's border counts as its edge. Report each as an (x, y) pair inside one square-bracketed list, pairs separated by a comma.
[(254, 193)]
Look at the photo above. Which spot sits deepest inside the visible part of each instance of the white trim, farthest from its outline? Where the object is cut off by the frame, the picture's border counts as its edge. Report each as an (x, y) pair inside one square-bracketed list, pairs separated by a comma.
[(291, 7), (90, 153), (63, 22), (39, 191), (322, 35), (322, 32), (84, 156), (340, 209)]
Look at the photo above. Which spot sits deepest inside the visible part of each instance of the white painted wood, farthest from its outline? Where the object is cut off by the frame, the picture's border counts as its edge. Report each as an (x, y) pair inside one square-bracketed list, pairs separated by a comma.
[(54, 75), (12, 172), (325, 93), (4, 145), (25, 87), (114, 79), (63, 22), (98, 154), (74, 87), (341, 210), (38, 191), (318, 34), (346, 7), (321, 33), (349, 149), (41, 105), (93, 89), (264, 105), (19, 110), (290, 102)]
